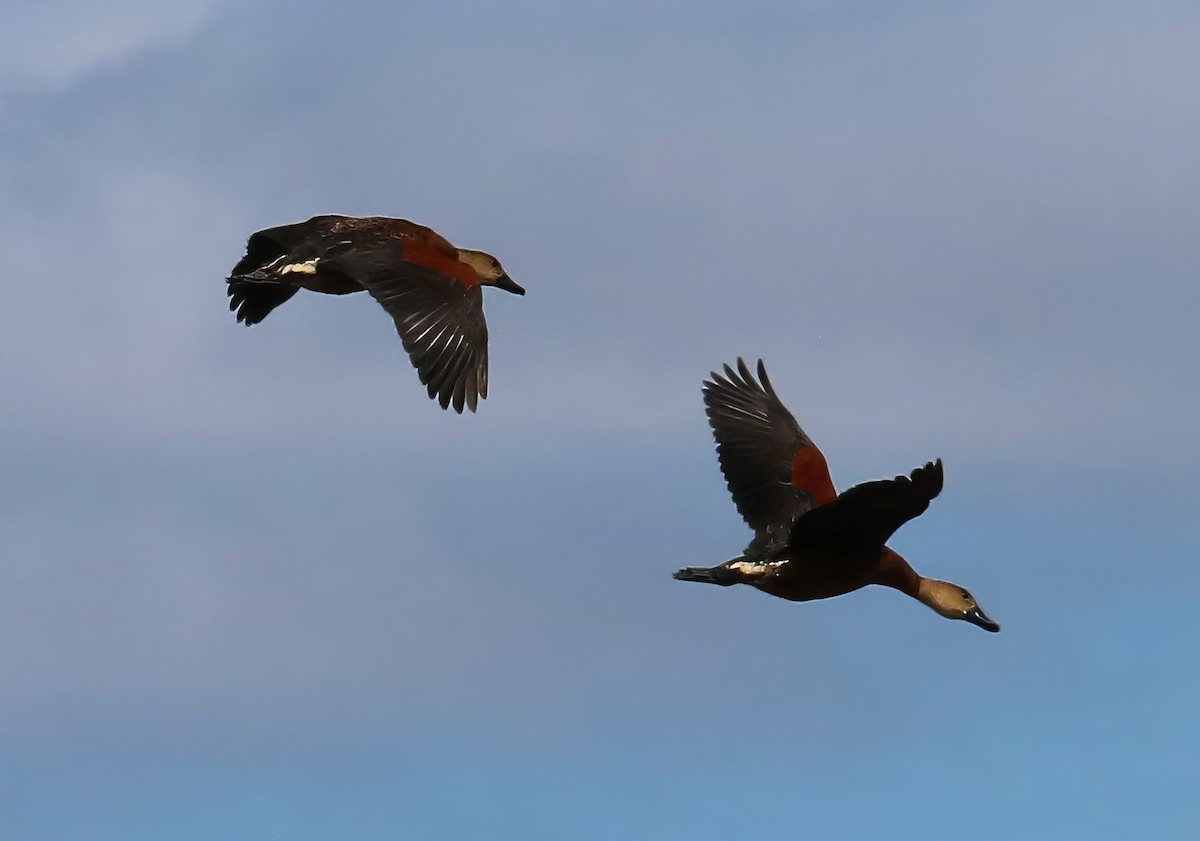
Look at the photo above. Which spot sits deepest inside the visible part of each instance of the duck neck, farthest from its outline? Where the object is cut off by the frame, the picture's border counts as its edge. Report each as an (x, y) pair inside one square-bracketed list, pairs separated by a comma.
[(895, 572)]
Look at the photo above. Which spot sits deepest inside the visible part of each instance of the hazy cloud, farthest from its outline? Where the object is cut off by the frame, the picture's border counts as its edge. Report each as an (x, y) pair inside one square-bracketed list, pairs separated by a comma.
[(47, 47)]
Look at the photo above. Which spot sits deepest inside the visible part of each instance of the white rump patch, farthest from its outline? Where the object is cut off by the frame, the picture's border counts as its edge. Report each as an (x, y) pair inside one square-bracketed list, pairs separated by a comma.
[(307, 267), (756, 568)]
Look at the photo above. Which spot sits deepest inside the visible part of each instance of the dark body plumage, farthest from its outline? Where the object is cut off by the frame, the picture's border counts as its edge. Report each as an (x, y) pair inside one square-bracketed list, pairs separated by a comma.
[(809, 542), (432, 290)]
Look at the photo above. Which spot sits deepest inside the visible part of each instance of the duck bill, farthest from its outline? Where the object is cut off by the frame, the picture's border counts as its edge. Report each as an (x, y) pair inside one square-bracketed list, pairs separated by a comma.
[(508, 285), (977, 617)]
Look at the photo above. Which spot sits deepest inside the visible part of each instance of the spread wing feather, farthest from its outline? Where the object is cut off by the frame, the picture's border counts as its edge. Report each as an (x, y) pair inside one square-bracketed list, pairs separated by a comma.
[(757, 441), (439, 319)]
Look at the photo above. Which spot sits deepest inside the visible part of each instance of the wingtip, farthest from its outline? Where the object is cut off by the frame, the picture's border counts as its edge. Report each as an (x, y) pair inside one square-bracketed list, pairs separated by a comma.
[(739, 378), (764, 379), (931, 476), (717, 379), (744, 370), (729, 376)]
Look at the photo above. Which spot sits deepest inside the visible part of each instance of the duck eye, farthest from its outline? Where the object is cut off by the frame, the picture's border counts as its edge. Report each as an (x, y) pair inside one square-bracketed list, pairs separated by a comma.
[(966, 596)]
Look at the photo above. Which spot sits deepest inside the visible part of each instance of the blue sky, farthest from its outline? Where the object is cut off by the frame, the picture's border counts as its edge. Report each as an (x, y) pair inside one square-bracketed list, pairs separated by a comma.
[(256, 585)]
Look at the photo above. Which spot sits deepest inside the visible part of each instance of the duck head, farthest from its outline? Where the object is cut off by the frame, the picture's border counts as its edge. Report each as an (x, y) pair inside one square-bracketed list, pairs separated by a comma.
[(954, 602), (489, 270)]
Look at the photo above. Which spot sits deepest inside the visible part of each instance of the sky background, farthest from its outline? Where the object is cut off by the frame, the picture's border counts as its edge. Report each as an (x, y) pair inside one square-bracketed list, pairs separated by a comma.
[(254, 584)]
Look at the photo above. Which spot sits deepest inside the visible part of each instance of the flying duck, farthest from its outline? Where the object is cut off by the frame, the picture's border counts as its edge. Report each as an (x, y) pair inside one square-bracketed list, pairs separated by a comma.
[(432, 290), (809, 541)]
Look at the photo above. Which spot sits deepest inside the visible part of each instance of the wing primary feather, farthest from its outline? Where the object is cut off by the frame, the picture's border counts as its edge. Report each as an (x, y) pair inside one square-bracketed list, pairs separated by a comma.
[(447, 363), (757, 439)]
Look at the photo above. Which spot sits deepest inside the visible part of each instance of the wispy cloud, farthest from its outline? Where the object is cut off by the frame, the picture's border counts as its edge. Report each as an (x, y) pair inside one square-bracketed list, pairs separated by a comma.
[(48, 48)]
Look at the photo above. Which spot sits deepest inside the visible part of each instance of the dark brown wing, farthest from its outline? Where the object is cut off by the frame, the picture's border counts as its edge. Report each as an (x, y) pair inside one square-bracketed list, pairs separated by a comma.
[(440, 320), (757, 443), (867, 515), (251, 297), (300, 241)]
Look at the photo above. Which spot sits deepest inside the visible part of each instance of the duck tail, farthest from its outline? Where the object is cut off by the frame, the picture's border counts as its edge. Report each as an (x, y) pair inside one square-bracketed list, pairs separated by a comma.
[(253, 276), (721, 575), (254, 301)]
